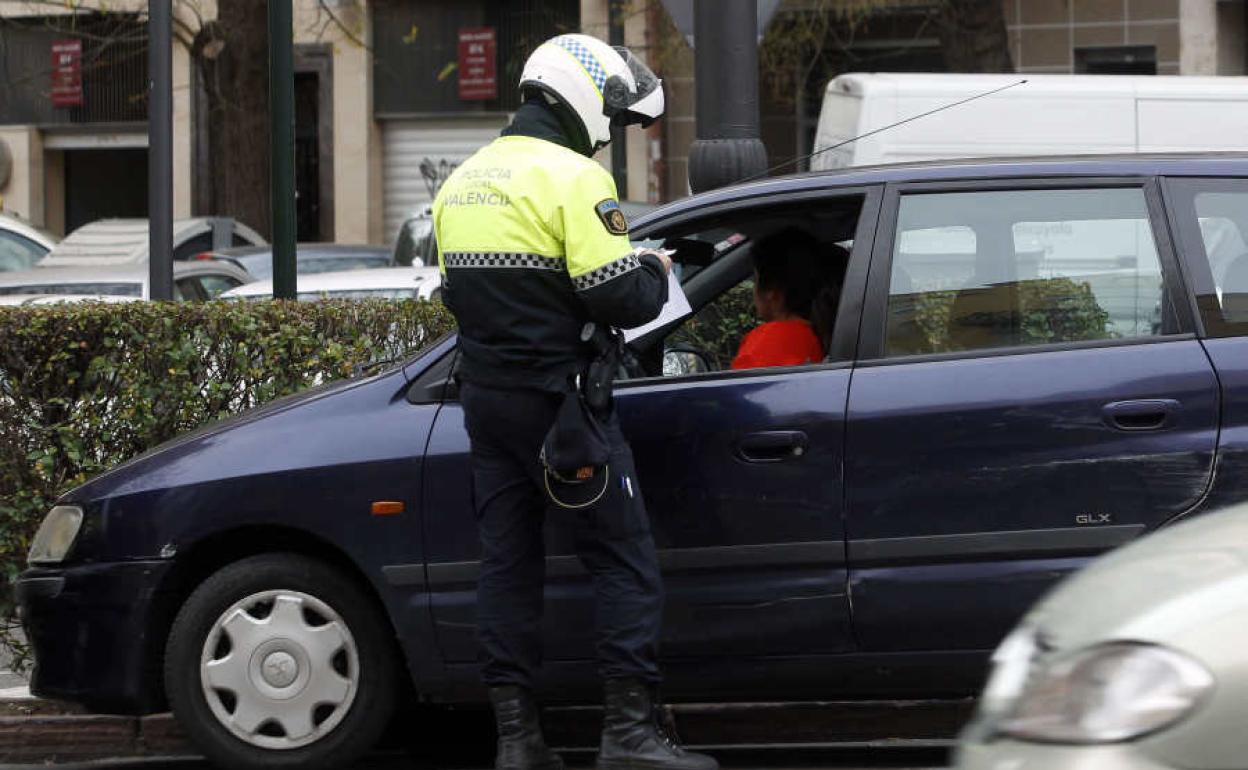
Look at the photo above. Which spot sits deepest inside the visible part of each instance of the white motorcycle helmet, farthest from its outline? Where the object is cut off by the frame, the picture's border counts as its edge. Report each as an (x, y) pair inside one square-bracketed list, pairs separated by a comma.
[(601, 85)]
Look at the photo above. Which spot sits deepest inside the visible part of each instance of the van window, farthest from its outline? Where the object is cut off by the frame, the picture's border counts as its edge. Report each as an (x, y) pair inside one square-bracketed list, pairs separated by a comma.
[(838, 121), (1030, 267)]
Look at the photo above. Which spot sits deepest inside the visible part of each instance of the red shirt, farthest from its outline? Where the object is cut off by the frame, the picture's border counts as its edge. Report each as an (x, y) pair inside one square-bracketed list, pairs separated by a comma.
[(779, 343)]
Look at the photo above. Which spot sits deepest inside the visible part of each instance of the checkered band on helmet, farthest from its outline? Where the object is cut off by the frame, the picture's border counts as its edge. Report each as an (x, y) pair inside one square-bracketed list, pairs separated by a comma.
[(585, 57), (605, 273), (501, 259)]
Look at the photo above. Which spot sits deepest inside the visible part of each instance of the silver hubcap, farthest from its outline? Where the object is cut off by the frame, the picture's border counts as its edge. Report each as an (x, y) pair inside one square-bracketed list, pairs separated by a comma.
[(279, 669)]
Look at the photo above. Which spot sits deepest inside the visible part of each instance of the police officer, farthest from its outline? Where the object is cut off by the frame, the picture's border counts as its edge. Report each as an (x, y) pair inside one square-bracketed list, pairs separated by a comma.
[(532, 244)]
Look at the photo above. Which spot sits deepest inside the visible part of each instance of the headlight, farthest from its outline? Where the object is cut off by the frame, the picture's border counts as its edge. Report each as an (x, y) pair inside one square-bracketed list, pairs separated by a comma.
[(56, 535), (1108, 693), (1011, 667)]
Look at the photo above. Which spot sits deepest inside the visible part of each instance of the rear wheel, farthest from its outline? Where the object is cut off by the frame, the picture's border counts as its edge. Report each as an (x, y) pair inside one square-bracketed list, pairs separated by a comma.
[(280, 660)]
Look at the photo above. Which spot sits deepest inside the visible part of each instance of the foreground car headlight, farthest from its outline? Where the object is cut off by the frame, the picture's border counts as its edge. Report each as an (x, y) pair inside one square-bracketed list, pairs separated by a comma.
[(1108, 693), (56, 535)]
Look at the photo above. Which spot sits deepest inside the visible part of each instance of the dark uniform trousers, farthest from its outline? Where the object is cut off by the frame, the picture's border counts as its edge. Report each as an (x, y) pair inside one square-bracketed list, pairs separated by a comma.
[(506, 428)]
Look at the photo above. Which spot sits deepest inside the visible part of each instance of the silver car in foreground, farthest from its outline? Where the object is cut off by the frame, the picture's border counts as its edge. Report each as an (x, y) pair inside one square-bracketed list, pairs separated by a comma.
[(1140, 662)]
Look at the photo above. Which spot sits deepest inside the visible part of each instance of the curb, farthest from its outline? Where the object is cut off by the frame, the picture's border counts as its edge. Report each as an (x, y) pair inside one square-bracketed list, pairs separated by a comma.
[(40, 731)]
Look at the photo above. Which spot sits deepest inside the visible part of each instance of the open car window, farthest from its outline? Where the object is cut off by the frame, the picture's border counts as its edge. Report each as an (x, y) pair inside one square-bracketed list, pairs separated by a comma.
[(716, 261)]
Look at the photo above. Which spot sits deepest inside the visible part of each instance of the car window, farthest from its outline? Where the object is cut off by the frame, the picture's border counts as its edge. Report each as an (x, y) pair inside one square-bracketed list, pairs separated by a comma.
[(110, 288), (717, 329), (1000, 269), (193, 246), (18, 253), (214, 285), (1223, 236), (333, 264), (187, 289)]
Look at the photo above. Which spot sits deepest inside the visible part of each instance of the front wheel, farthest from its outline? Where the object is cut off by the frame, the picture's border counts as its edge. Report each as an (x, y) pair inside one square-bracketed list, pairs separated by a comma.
[(278, 661)]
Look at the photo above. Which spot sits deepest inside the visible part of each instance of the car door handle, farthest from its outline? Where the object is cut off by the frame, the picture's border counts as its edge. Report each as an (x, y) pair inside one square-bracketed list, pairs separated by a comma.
[(772, 446), (1141, 415)]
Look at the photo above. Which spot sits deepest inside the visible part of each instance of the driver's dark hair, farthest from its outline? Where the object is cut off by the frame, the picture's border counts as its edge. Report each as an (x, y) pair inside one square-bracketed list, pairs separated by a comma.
[(806, 273)]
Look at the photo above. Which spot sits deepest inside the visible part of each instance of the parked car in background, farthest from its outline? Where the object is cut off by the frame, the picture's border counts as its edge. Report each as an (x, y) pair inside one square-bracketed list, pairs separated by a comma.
[(1135, 663), (196, 280), (125, 241), (22, 244), (986, 421), (310, 258), (382, 283)]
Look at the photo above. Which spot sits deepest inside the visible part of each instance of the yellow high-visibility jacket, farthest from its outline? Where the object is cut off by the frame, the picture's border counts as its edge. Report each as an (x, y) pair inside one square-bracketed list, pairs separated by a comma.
[(532, 244)]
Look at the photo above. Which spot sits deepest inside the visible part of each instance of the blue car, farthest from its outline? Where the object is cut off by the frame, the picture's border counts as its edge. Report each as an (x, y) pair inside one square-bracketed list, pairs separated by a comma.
[(1033, 361)]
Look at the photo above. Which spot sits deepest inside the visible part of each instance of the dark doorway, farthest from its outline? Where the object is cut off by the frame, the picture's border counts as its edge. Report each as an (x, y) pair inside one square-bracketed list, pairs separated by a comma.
[(1118, 60), (101, 184), (307, 157)]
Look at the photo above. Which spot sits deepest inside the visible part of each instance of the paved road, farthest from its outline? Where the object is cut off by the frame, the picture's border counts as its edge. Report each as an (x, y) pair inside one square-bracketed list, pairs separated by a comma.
[(767, 759)]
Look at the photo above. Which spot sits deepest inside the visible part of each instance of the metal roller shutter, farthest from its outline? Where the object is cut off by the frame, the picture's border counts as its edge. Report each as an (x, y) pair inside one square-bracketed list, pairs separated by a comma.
[(437, 145)]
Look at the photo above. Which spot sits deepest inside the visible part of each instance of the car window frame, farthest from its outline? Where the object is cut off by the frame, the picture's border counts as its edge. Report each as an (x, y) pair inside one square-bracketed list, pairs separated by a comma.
[(874, 329), (1203, 299), (846, 332), (233, 280)]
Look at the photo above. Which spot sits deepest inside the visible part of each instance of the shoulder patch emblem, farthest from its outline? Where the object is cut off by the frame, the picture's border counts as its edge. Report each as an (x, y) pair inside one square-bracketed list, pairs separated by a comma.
[(612, 217)]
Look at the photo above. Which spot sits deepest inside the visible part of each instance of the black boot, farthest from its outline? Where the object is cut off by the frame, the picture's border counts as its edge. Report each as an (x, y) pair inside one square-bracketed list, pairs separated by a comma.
[(520, 742), (637, 736)]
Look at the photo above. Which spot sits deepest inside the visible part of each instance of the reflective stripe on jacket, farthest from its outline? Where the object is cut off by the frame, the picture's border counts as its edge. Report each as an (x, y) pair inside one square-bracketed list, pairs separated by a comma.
[(532, 244)]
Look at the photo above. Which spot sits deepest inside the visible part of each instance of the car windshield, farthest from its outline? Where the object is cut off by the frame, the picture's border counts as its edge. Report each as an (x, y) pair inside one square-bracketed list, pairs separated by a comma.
[(109, 288)]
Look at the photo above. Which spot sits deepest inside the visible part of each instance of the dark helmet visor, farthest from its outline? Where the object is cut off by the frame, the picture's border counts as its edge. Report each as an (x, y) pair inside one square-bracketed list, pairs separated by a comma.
[(643, 104)]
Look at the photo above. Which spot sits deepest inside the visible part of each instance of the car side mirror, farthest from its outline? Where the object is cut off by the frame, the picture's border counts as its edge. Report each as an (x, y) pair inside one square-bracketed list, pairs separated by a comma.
[(681, 361)]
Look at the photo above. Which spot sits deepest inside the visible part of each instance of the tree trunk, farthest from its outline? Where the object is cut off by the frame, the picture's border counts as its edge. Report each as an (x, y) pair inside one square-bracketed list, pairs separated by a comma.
[(972, 34), (232, 54)]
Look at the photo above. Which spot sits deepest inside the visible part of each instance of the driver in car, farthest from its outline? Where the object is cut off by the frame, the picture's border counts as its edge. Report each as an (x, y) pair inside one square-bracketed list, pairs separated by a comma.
[(796, 290)]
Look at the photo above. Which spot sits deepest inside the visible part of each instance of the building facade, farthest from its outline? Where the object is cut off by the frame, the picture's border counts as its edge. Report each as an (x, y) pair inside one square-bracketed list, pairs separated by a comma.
[(381, 111), (392, 94)]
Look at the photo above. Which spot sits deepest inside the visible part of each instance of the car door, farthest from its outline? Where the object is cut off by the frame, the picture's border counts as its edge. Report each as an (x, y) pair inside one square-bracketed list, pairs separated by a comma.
[(741, 474), (1030, 394), (1210, 219)]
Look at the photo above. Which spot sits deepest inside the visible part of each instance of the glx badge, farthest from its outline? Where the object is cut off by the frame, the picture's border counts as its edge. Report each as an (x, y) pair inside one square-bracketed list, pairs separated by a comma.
[(1094, 518)]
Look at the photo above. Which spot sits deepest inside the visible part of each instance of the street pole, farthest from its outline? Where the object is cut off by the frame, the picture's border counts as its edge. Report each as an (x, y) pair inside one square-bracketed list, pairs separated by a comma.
[(728, 147), (282, 150), (160, 149), (619, 147)]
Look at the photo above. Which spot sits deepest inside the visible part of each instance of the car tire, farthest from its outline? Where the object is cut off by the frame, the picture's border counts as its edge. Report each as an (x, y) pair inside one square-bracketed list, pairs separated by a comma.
[(281, 661)]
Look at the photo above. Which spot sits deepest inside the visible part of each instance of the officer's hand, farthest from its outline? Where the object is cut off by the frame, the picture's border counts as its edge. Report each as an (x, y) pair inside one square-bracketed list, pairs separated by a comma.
[(662, 254)]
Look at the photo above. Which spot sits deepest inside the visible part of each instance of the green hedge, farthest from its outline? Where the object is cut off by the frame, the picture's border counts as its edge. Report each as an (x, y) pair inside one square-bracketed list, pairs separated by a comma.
[(85, 386)]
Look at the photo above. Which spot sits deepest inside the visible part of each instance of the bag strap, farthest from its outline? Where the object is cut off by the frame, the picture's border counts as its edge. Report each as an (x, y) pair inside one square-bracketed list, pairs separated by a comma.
[(606, 479)]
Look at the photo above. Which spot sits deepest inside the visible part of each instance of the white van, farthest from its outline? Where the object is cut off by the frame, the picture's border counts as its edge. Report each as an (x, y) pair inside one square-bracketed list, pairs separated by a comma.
[(1047, 115)]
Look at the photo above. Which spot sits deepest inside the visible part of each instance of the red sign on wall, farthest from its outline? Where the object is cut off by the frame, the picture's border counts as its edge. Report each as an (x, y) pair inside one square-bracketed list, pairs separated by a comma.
[(478, 72), (66, 73)]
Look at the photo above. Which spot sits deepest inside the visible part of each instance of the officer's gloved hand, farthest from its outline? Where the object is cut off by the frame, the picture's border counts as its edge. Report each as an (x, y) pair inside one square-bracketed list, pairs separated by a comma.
[(663, 255)]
